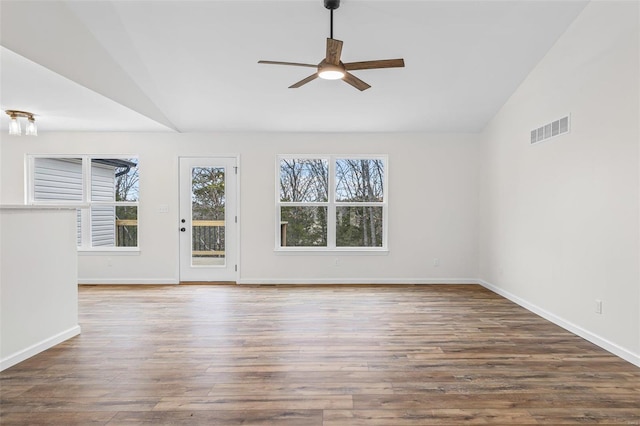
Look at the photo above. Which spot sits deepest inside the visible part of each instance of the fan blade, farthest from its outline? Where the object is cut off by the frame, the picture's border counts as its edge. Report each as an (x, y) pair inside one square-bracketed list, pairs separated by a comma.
[(368, 65), (355, 82), (296, 64), (334, 50), (304, 81)]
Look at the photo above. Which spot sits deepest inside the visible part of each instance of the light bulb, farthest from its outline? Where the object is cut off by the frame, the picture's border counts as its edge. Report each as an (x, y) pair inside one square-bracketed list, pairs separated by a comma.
[(32, 129), (331, 74), (14, 127)]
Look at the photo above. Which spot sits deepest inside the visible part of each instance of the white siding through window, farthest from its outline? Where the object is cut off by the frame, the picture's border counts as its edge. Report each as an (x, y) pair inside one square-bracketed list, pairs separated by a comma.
[(103, 218), (60, 179)]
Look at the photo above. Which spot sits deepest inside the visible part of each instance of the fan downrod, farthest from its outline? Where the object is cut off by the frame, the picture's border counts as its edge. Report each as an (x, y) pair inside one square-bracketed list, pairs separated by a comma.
[(332, 4)]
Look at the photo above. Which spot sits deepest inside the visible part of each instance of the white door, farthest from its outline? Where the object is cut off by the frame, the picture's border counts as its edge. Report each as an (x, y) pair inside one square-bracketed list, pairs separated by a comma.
[(208, 219)]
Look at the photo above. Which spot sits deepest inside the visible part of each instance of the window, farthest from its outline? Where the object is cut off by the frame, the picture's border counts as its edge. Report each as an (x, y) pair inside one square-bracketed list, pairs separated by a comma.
[(359, 202), (105, 189), (331, 203)]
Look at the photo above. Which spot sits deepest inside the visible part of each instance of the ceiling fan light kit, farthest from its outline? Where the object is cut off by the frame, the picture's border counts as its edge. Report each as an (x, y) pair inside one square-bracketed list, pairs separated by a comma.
[(332, 67), (330, 71)]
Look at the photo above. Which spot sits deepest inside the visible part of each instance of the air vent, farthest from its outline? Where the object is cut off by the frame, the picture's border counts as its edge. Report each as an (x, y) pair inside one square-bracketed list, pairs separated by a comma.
[(550, 130)]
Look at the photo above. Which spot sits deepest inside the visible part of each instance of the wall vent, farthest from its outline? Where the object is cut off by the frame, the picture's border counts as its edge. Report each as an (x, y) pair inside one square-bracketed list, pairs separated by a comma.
[(550, 130)]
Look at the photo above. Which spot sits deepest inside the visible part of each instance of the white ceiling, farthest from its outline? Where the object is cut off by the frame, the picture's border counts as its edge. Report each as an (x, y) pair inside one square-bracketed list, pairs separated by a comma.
[(191, 66)]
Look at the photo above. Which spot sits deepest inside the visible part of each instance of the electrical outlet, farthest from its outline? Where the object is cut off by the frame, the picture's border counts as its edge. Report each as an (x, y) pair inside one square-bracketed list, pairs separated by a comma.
[(598, 306), (338, 262), (436, 262)]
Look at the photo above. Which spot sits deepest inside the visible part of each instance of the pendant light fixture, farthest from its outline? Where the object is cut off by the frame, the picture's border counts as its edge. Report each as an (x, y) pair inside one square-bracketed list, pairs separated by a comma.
[(15, 128)]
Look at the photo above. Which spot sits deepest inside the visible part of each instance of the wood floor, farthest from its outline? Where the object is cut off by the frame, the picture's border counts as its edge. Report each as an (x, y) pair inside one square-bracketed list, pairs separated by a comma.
[(355, 355)]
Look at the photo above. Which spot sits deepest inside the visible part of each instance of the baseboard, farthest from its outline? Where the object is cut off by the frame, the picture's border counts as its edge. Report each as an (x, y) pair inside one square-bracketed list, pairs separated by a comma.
[(24, 354), (334, 281), (287, 281), (127, 281), (567, 325)]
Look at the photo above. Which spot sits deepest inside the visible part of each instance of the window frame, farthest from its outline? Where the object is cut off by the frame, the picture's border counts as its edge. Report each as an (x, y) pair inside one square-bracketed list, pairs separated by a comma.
[(332, 205), (86, 203)]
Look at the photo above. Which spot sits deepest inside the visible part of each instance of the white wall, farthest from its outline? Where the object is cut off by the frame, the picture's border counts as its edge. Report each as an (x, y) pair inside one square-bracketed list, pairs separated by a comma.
[(432, 203), (38, 281), (559, 221)]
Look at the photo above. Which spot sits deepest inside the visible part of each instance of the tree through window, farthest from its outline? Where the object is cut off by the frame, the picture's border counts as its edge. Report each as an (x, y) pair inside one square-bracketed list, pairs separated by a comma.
[(331, 202), (359, 198)]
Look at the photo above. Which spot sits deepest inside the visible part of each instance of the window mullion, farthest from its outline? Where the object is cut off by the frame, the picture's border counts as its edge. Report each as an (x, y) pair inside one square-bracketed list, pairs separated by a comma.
[(278, 212), (360, 203), (85, 213), (302, 204), (331, 211), (385, 233), (116, 203)]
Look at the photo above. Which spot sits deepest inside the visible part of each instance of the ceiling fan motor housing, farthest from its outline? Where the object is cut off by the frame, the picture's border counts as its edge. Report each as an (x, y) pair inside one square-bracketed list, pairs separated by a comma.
[(332, 4)]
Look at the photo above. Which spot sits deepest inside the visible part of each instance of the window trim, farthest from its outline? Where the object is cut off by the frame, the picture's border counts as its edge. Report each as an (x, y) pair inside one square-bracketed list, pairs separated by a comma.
[(331, 205), (85, 204)]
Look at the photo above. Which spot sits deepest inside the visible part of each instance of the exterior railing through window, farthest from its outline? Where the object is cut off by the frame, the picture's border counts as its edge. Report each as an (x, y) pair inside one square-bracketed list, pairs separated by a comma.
[(208, 236), (126, 232)]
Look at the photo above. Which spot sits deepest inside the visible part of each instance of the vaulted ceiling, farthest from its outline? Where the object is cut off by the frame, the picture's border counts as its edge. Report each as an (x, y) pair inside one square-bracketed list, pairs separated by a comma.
[(191, 66)]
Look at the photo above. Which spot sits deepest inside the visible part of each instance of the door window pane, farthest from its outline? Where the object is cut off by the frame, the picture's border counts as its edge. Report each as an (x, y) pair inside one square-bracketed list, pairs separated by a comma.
[(208, 216)]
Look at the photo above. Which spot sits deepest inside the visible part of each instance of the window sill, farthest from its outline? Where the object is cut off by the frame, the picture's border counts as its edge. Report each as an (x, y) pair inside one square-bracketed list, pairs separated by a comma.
[(112, 251), (341, 251)]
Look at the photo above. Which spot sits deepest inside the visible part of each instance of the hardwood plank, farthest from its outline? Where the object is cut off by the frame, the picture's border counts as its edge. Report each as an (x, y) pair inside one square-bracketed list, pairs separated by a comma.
[(49, 418), (251, 402), (302, 388), (329, 355), (484, 399), (220, 417), (422, 417), (77, 404), (563, 416)]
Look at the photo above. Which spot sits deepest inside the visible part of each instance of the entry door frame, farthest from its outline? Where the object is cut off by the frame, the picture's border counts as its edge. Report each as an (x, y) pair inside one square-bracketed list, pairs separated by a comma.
[(211, 159)]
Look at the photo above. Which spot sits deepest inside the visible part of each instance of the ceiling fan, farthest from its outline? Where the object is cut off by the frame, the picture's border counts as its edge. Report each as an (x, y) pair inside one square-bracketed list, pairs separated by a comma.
[(332, 68)]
